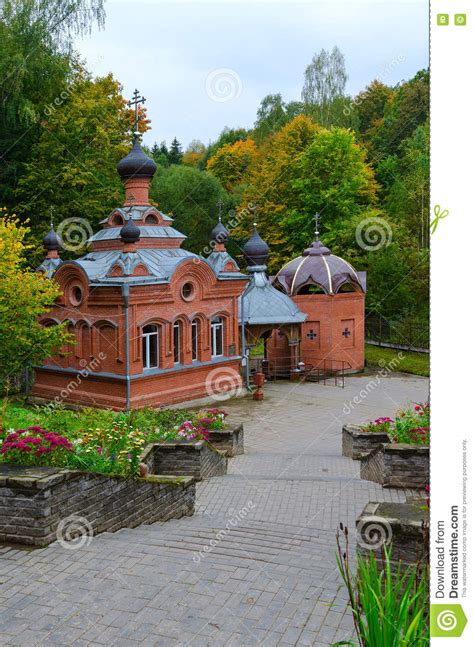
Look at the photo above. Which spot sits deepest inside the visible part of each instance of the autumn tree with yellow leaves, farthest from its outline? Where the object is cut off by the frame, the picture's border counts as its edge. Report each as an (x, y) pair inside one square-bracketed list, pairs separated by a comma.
[(24, 296)]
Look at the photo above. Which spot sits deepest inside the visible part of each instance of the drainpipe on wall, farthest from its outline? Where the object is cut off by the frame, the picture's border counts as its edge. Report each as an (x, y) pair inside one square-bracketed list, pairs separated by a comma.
[(244, 354), (125, 294)]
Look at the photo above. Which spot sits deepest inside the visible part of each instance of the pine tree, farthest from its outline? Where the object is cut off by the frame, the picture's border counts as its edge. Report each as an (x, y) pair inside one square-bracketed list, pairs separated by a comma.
[(176, 153)]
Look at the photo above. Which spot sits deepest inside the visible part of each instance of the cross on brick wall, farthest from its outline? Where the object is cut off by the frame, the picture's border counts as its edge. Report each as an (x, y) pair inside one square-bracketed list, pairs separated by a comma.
[(346, 333), (311, 334)]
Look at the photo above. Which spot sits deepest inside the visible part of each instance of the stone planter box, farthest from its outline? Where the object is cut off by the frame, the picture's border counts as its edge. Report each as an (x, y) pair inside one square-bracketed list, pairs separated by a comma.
[(357, 443), (397, 465), (197, 459), (37, 503), (230, 441), (403, 525)]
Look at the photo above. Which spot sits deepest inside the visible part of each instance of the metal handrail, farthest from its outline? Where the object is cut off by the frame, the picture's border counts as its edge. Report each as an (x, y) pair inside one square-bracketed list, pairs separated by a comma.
[(281, 368)]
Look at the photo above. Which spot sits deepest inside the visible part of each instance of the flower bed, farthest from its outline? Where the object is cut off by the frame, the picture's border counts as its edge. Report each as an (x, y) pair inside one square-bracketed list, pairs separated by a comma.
[(398, 453), (103, 441), (410, 427)]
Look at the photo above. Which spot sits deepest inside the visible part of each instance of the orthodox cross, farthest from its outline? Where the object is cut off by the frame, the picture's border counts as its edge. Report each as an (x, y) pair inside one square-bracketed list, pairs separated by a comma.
[(346, 333), (311, 334), (135, 102), (316, 219), (220, 204), (253, 207)]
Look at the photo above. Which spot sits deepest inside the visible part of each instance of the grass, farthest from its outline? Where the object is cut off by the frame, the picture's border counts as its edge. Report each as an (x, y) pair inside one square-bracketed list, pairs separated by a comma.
[(403, 361)]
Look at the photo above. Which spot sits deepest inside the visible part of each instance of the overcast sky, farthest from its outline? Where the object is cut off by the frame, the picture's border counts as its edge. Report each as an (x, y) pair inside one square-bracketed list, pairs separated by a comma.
[(204, 66)]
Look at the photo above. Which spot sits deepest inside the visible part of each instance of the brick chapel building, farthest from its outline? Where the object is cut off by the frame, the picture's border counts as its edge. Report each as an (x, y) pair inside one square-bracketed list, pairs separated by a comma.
[(155, 324), (152, 322)]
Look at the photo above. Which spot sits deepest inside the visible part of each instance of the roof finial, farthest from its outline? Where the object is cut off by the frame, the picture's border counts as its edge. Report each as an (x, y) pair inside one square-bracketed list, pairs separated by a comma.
[(135, 102), (51, 209), (253, 207), (220, 204), (316, 219)]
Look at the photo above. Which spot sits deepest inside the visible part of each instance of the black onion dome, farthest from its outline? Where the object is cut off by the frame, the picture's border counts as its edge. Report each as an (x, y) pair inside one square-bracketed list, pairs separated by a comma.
[(136, 163), (256, 250), (219, 234), (129, 233), (51, 241)]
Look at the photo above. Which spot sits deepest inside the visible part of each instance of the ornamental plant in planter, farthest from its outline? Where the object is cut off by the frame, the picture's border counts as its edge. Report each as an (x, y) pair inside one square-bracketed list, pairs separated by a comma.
[(404, 461)]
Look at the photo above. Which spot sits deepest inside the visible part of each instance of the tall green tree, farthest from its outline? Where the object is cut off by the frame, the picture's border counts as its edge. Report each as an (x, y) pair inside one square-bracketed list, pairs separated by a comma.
[(190, 196), (24, 296), (72, 167), (325, 80), (175, 155), (36, 67)]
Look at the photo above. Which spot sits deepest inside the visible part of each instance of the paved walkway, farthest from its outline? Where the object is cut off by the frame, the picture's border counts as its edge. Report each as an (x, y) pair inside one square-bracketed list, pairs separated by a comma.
[(254, 566)]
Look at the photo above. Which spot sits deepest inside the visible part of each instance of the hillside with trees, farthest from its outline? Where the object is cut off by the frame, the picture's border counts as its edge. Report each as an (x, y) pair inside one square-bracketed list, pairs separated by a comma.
[(362, 162)]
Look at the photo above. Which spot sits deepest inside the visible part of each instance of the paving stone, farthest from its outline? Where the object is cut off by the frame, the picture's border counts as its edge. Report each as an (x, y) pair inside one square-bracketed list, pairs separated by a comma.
[(272, 580)]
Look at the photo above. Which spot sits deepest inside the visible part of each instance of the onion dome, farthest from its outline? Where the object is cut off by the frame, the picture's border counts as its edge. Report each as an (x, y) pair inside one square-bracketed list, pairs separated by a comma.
[(51, 241), (256, 250), (220, 234), (318, 267), (136, 163), (129, 233)]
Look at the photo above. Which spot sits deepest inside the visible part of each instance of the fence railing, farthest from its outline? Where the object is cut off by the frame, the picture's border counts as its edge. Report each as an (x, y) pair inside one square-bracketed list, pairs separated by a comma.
[(318, 370), (406, 334)]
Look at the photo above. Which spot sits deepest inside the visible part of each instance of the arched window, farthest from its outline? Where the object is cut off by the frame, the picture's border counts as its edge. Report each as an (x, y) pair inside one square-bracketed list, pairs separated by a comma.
[(217, 337), (195, 339), (177, 342), (150, 346)]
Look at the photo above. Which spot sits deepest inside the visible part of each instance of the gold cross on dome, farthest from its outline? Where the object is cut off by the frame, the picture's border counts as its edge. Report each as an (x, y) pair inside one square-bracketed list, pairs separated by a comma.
[(135, 102)]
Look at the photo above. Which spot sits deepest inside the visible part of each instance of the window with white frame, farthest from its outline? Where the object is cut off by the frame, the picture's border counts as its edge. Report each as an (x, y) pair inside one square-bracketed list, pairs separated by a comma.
[(177, 342), (194, 340), (217, 337), (150, 346)]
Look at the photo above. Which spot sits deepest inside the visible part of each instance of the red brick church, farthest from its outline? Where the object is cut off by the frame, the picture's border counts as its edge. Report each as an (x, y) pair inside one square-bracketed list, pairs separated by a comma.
[(155, 324)]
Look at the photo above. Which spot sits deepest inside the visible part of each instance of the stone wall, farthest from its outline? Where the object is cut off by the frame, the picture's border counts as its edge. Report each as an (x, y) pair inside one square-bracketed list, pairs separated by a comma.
[(230, 441), (397, 465), (33, 501), (403, 526), (356, 443), (196, 459)]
